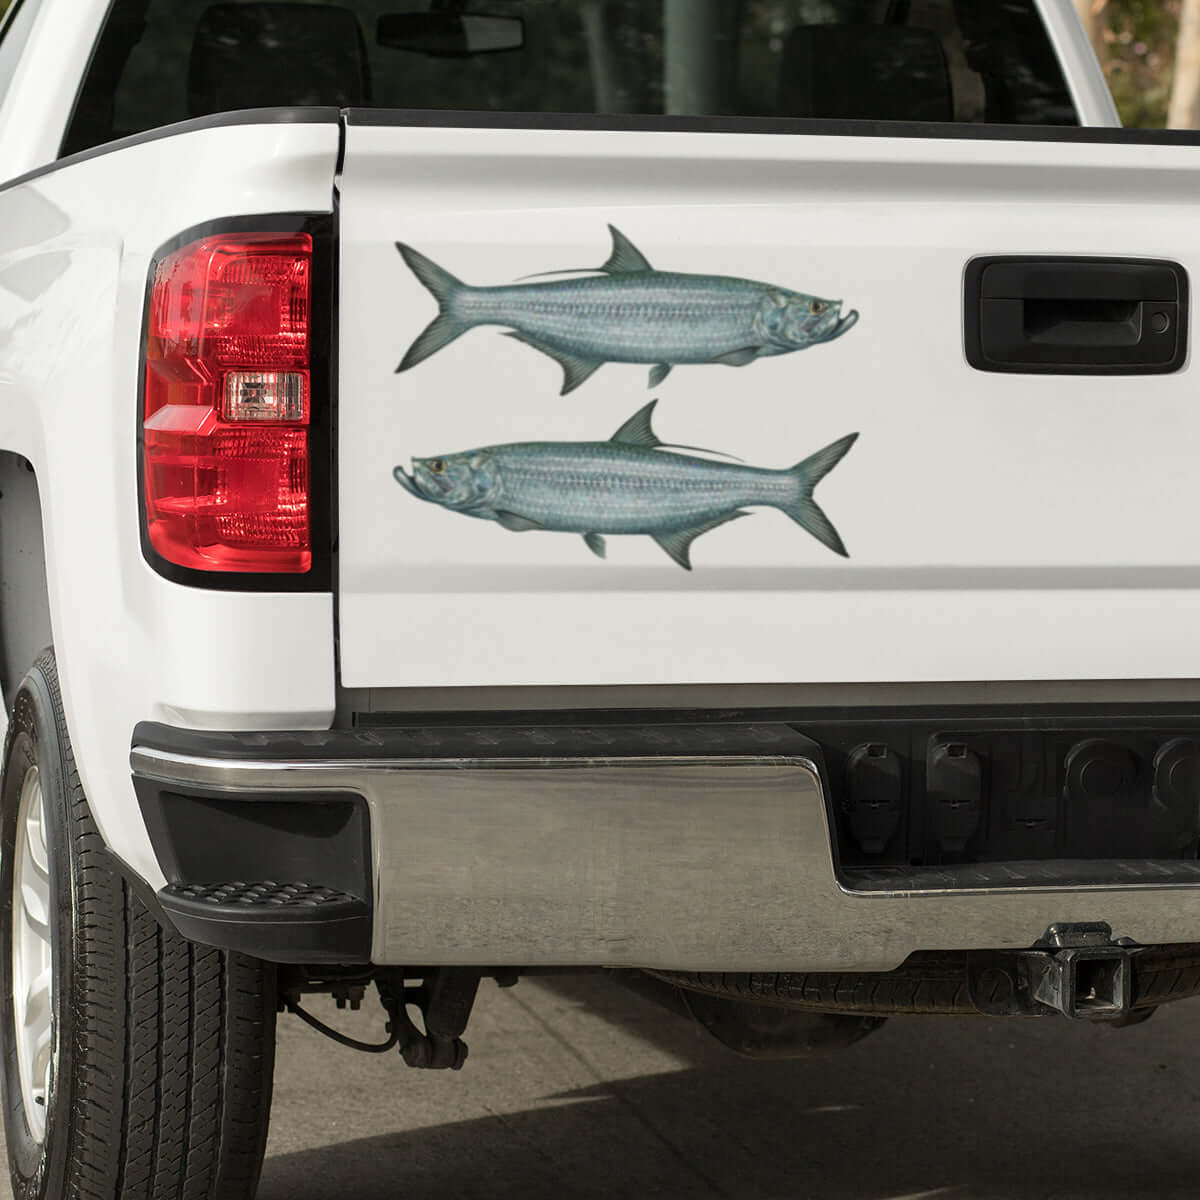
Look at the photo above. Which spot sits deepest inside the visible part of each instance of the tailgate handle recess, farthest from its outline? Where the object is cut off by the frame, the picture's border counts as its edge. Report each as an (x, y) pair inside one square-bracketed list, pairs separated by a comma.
[(1076, 316)]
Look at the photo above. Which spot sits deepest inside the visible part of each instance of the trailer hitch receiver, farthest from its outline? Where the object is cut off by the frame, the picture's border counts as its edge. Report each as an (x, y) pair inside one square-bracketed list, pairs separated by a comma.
[(1087, 976)]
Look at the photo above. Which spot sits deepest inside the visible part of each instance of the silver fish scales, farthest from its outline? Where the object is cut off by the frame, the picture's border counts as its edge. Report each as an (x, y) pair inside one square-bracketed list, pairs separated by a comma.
[(628, 312), (632, 485)]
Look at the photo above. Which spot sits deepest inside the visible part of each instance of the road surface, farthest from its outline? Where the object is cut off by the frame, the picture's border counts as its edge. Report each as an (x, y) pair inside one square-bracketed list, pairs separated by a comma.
[(580, 1089)]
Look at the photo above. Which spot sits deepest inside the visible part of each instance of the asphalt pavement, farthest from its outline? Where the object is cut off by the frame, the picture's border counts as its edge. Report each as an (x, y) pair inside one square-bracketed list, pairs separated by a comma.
[(578, 1088)]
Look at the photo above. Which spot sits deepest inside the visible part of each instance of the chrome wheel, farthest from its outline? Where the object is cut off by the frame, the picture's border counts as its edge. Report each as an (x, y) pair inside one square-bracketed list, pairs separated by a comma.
[(32, 965)]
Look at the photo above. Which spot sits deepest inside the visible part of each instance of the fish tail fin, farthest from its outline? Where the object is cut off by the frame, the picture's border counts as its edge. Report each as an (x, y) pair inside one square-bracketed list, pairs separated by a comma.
[(804, 510), (446, 326)]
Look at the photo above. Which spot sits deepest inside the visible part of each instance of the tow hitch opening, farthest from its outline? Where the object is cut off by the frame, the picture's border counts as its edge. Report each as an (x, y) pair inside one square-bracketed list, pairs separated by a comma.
[(1090, 978), (1098, 987)]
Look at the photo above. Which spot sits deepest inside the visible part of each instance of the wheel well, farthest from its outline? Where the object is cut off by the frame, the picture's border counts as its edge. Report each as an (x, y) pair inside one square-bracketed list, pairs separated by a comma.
[(24, 601)]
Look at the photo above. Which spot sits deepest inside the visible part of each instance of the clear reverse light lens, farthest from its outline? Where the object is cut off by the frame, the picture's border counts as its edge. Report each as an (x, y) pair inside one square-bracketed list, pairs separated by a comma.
[(265, 396)]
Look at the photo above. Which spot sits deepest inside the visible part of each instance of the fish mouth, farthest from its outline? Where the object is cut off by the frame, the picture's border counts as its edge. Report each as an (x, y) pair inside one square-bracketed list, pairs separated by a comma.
[(831, 326), (407, 482), (844, 325)]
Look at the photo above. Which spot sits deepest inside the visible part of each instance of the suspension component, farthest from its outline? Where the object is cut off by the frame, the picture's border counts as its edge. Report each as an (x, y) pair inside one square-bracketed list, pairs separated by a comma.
[(445, 998)]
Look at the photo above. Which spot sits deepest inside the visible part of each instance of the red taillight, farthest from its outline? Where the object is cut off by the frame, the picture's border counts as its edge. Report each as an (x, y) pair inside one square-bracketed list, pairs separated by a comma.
[(228, 401)]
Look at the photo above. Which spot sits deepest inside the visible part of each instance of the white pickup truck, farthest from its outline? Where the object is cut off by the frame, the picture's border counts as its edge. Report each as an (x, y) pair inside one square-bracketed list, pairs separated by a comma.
[(369, 616)]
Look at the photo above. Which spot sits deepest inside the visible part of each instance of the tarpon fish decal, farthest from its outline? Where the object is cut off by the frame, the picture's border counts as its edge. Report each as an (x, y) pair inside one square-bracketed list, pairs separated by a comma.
[(633, 484), (625, 311)]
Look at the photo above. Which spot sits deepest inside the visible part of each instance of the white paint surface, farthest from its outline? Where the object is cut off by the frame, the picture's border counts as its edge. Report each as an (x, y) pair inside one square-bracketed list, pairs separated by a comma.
[(1000, 526)]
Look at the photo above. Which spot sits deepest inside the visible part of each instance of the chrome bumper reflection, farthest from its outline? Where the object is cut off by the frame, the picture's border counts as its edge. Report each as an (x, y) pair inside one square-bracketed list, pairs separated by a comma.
[(713, 864)]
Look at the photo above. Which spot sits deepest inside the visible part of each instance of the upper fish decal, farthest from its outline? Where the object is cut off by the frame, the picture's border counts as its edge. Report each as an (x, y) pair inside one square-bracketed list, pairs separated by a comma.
[(632, 484), (626, 311)]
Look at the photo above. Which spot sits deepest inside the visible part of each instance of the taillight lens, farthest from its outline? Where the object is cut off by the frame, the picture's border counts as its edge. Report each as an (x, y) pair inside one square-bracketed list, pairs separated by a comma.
[(227, 405)]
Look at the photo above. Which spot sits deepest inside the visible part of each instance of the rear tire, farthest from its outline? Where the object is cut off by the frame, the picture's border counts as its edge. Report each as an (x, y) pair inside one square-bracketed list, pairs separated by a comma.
[(162, 1051)]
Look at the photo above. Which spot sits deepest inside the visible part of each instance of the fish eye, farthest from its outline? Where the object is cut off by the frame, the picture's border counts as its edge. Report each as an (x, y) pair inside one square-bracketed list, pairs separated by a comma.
[(437, 466), (817, 307)]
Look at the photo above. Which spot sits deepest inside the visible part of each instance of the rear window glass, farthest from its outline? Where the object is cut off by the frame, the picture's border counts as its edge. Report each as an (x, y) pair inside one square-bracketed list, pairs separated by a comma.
[(160, 61)]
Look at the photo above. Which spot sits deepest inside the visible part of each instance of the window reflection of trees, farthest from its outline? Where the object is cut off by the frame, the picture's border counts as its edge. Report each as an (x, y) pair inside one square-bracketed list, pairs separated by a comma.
[(693, 57)]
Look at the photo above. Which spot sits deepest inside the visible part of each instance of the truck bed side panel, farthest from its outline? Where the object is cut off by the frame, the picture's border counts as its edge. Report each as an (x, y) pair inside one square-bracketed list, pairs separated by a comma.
[(75, 249)]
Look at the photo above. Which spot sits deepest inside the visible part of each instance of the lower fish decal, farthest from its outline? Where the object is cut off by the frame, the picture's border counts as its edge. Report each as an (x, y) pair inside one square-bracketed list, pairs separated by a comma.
[(633, 484), (627, 312)]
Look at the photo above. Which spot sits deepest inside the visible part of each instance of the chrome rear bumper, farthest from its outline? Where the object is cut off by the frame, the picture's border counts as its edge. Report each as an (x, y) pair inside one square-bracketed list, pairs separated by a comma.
[(679, 861)]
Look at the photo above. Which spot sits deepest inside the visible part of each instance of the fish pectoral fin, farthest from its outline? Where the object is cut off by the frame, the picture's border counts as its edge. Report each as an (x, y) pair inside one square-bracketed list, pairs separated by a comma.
[(638, 430), (596, 544), (659, 373), (517, 524), (679, 544), (576, 371), (626, 258), (739, 358)]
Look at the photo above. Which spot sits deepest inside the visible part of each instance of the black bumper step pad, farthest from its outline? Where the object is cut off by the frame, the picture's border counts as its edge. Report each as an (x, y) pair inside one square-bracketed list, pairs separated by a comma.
[(288, 922)]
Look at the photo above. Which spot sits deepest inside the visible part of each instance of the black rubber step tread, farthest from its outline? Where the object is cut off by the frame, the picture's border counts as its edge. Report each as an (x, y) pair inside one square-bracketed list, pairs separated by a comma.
[(293, 922), (264, 894), (174, 1044), (928, 983), (655, 737)]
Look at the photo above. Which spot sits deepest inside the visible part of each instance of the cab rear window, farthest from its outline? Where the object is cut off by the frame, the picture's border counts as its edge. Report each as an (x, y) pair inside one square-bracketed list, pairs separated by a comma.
[(160, 61)]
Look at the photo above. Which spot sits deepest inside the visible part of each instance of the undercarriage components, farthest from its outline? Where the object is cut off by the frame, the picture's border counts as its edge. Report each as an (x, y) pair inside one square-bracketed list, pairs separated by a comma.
[(751, 1028), (1088, 978), (1076, 971), (445, 998)]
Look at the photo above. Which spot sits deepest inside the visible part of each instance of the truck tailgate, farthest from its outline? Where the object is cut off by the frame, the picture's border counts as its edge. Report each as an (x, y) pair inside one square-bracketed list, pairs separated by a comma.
[(999, 525)]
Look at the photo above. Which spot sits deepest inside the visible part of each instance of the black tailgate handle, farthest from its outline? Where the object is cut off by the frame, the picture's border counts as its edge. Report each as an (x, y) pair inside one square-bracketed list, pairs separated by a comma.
[(1076, 316)]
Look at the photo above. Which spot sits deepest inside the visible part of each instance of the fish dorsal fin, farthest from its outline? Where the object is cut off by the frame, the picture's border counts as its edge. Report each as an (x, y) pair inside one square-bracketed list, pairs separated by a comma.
[(626, 258), (638, 430), (679, 545), (703, 450)]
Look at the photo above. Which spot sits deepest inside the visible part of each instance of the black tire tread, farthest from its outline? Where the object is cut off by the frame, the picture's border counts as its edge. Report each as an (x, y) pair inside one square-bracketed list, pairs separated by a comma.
[(174, 1042)]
